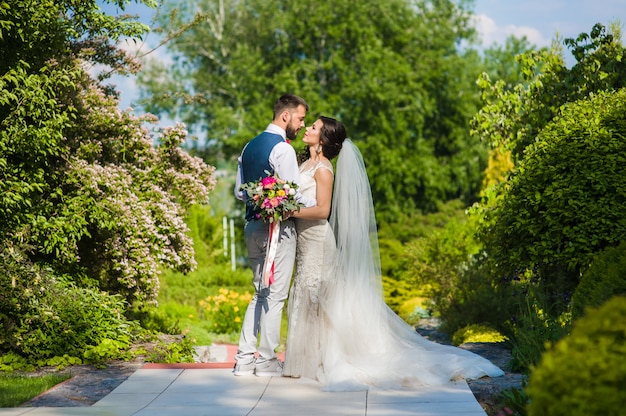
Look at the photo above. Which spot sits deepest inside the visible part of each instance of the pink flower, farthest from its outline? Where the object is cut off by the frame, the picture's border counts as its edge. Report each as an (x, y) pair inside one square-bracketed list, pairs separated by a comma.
[(274, 202), (268, 182)]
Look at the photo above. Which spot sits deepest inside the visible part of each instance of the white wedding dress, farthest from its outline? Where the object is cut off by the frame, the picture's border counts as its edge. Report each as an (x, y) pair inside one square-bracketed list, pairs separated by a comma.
[(341, 332), (315, 253)]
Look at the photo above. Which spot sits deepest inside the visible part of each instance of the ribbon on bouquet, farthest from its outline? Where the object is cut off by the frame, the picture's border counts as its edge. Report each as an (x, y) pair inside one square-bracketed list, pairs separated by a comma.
[(270, 255)]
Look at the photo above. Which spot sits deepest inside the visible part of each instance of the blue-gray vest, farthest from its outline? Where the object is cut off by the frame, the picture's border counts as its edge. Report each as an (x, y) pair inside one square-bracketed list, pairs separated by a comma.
[(255, 161)]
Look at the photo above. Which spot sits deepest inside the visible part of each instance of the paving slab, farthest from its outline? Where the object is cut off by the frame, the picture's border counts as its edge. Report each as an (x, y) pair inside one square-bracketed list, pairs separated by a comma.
[(209, 388), (194, 390)]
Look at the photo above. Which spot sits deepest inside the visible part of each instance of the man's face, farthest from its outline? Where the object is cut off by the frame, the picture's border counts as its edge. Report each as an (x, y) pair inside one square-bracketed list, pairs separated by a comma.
[(296, 122)]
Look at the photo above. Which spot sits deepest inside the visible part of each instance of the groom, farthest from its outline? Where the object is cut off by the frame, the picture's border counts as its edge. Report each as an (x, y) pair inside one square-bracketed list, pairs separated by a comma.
[(269, 151)]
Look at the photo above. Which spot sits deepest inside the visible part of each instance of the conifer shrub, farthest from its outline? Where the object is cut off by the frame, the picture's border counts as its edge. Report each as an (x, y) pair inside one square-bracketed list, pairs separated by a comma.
[(606, 277), (584, 373)]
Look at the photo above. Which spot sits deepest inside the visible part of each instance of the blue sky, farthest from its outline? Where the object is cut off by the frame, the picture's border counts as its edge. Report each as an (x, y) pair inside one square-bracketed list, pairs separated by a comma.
[(539, 20)]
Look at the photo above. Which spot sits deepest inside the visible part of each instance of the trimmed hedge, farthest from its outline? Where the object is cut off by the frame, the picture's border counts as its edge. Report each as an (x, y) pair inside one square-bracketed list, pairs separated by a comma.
[(566, 200)]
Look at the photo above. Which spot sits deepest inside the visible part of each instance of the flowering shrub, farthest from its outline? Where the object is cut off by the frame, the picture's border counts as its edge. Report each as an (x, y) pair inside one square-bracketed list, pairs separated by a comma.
[(226, 310), (97, 199), (272, 197)]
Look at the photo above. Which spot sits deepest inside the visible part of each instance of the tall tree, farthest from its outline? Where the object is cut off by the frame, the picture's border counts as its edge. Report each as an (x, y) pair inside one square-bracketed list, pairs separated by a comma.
[(512, 117), (391, 71)]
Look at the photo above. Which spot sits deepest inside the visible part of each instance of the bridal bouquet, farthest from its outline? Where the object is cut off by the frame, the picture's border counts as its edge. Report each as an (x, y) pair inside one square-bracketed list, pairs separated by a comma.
[(273, 197)]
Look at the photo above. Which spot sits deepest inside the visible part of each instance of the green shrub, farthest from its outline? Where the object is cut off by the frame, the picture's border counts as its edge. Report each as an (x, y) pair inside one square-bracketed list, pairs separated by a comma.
[(226, 310), (584, 373), (179, 350), (605, 278), (192, 287), (414, 309), (44, 316), (512, 401), (564, 201), (533, 324), (107, 349), (401, 294), (10, 362), (477, 333), (472, 297), (155, 319), (450, 268)]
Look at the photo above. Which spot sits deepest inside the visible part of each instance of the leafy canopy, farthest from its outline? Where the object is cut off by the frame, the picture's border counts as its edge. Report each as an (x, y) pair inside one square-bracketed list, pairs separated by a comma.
[(401, 86)]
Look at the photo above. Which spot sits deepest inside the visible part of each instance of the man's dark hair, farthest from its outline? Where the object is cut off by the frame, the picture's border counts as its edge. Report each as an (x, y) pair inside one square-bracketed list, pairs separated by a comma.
[(288, 102)]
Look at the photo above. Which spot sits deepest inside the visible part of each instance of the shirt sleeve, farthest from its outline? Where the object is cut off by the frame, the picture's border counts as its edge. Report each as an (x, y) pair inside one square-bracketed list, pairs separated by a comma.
[(239, 194), (284, 162)]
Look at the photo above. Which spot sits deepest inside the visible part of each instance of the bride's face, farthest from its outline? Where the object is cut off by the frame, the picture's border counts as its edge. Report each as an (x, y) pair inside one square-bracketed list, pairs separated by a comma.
[(312, 133)]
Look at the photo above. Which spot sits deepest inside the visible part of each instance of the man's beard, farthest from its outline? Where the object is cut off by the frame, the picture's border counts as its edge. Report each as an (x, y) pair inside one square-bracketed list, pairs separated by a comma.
[(290, 132)]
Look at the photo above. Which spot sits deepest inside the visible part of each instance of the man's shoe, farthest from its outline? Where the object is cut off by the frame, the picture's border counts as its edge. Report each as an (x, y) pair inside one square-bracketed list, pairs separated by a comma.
[(272, 368), (244, 369)]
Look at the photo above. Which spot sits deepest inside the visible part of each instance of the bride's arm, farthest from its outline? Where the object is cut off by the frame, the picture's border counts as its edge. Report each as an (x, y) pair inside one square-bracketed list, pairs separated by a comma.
[(324, 192)]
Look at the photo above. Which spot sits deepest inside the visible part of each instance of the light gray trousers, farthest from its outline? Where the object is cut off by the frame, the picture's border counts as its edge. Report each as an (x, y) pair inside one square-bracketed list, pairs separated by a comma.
[(261, 323)]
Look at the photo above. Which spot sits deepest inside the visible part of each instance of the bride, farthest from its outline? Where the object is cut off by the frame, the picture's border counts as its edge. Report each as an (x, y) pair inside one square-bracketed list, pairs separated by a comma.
[(341, 332)]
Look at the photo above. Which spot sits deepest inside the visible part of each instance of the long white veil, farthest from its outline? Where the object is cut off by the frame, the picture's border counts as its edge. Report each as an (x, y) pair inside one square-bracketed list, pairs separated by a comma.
[(367, 343), (352, 219)]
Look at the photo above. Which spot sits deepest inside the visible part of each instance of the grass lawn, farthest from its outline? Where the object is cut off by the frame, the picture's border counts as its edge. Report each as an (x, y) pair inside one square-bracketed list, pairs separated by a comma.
[(16, 389)]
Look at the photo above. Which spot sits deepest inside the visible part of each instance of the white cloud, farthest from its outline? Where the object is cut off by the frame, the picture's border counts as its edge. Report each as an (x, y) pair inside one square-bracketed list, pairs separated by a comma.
[(490, 33)]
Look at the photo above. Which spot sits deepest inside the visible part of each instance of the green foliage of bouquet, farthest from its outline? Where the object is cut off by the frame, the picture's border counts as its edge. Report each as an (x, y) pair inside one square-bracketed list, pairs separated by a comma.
[(272, 197)]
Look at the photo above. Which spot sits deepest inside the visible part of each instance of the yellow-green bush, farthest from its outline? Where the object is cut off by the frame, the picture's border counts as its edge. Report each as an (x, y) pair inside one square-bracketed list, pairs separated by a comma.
[(414, 309), (606, 277), (584, 373), (226, 310), (477, 333), (398, 292)]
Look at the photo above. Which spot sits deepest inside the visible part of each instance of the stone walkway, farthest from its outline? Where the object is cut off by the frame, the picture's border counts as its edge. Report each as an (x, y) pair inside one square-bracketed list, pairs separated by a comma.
[(191, 390), (209, 388)]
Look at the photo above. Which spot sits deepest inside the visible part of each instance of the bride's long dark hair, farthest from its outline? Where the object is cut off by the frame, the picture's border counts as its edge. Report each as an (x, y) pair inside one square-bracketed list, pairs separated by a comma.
[(332, 136)]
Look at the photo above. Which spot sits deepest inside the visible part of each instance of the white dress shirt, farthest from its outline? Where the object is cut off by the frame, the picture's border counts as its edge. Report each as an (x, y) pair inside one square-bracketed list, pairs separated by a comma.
[(283, 161)]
